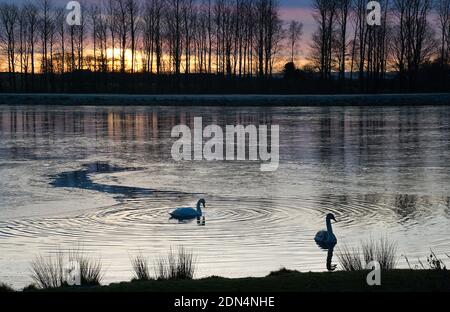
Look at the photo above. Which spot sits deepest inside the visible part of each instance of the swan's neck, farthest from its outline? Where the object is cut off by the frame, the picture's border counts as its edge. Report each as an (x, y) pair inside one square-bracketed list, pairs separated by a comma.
[(329, 228), (199, 209)]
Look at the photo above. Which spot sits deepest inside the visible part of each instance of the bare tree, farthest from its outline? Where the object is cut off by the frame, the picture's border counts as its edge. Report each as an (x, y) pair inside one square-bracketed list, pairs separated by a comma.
[(343, 10), (414, 43), (443, 10), (45, 25), (188, 16), (94, 15), (249, 36), (268, 27), (123, 27), (102, 38), (360, 15), (112, 23), (148, 19), (22, 49), (8, 17), (158, 35), (79, 36), (295, 32), (32, 20), (322, 46), (174, 29), (209, 28), (60, 21), (51, 46), (132, 8), (377, 52), (201, 38)]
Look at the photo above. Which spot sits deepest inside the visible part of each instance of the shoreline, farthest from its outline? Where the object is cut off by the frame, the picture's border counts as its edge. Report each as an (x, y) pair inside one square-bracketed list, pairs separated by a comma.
[(285, 281), (418, 99)]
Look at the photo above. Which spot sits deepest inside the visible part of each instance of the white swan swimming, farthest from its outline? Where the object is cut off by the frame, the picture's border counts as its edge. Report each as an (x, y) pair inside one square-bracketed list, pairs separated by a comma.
[(327, 238), (188, 212)]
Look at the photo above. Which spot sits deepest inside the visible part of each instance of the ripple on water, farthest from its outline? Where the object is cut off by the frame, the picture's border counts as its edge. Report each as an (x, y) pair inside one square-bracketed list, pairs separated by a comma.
[(230, 217)]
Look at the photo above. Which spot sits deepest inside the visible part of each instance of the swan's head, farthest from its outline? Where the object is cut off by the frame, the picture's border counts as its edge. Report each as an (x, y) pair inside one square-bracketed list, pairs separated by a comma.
[(330, 216), (201, 202)]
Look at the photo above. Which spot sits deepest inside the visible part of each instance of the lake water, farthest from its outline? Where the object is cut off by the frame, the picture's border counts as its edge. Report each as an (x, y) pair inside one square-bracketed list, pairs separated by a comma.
[(102, 179)]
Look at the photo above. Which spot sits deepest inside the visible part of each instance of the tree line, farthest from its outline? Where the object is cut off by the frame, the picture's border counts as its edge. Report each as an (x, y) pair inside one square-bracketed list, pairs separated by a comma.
[(413, 35), (152, 43)]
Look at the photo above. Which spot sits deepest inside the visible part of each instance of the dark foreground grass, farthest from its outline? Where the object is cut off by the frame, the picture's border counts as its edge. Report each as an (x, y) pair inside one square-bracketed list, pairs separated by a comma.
[(49, 272), (291, 281), (5, 288)]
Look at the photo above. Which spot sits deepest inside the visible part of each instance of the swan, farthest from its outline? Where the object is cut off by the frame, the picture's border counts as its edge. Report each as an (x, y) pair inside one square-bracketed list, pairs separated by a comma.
[(188, 212), (326, 238)]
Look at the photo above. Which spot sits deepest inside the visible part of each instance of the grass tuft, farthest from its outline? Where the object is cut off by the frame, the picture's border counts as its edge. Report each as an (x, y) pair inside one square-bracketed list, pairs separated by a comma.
[(91, 271), (5, 288), (356, 258), (140, 268), (350, 258), (180, 266), (433, 263), (49, 272)]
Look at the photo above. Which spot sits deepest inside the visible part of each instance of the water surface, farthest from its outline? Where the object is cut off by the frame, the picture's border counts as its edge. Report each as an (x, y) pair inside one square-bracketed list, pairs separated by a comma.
[(102, 179)]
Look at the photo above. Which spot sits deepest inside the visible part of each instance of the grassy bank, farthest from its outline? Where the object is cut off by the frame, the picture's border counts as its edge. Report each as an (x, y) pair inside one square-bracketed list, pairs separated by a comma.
[(227, 100), (289, 281)]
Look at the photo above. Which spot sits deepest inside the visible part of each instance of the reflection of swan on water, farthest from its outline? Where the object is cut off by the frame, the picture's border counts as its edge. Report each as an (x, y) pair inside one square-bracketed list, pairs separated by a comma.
[(187, 213), (201, 221), (326, 239), (330, 265)]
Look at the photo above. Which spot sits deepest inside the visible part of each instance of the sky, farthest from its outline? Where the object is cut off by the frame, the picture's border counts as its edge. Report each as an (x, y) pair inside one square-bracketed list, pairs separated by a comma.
[(289, 9), (300, 10)]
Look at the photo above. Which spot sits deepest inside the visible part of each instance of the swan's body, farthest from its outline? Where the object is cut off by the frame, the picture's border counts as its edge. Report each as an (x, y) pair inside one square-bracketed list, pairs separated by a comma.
[(185, 213), (326, 238)]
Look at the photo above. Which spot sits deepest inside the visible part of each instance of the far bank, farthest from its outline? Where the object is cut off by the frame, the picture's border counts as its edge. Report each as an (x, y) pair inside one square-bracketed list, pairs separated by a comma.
[(419, 99)]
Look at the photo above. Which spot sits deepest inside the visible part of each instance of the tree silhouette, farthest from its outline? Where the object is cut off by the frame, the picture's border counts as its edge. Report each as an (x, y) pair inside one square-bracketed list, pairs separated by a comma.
[(237, 44)]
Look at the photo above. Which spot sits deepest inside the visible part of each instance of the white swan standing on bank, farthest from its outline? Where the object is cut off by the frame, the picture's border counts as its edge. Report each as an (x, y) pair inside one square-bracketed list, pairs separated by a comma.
[(188, 212), (327, 238)]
